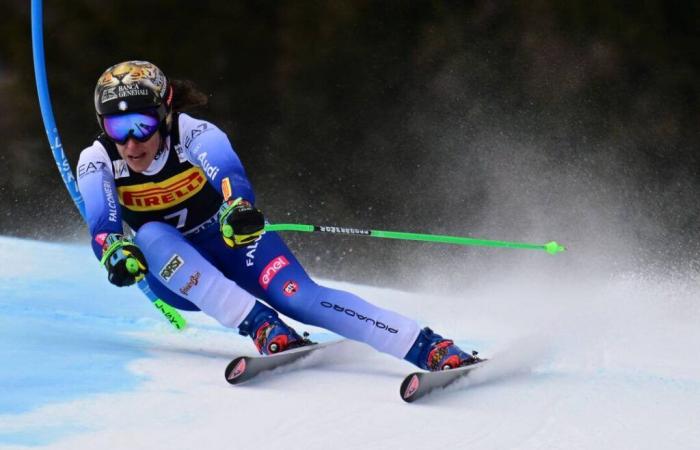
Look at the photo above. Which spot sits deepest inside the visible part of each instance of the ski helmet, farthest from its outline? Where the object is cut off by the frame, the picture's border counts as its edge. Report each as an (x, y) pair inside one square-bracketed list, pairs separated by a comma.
[(134, 86)]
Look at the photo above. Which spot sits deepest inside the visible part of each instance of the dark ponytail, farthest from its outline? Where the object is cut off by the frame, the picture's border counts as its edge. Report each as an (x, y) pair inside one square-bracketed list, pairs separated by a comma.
[(186, 96)]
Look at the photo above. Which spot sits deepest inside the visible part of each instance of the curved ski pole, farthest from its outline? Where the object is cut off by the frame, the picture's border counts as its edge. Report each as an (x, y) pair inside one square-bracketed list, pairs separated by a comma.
[(42, 86), (550, 247)]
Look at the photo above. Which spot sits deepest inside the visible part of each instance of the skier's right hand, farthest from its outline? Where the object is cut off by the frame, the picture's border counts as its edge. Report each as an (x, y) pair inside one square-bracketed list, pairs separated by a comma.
[(123, 260)]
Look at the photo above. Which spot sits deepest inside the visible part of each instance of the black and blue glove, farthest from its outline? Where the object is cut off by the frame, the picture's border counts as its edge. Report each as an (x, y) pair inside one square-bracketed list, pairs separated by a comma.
[(240, 223), (123, 260)]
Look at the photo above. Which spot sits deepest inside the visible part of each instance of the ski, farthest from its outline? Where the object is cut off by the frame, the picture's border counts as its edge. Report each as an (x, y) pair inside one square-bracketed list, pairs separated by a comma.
[(419, 384), (245, 368)]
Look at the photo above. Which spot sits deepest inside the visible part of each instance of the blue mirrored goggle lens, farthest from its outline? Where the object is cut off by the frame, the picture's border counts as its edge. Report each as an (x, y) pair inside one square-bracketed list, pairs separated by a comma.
[(138, 125)]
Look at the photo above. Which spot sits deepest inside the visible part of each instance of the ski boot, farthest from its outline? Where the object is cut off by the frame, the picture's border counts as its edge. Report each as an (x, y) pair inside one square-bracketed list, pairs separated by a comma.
[(432, 352), (270, 335)]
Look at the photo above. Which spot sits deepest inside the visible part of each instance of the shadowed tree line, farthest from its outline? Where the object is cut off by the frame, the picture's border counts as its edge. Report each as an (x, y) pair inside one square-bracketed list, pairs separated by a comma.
[(446, 117)]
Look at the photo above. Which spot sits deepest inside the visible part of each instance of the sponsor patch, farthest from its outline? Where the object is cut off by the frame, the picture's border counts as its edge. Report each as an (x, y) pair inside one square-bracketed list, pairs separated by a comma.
[(91, 167), (130, 90), (250, 254), (121, 170), (351, 313), (290, 288), (100, 239), (196, 131), (172, 266), (181, 156), (271, 270), (226, 188), (164, 194), (111, 203), (193, 281), (208, 167), (108, 94)]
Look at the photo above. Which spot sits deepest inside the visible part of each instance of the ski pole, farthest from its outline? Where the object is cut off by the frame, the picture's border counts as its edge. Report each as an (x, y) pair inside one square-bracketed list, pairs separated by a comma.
[(42, 85), (550, 247)]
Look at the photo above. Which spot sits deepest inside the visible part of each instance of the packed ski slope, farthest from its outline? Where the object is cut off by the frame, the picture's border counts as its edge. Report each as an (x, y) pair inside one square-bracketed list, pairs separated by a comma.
[(600, 363)]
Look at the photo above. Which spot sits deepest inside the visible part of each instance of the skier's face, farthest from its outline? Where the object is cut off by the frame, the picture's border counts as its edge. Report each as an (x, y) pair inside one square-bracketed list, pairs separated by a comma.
[(139, 155)]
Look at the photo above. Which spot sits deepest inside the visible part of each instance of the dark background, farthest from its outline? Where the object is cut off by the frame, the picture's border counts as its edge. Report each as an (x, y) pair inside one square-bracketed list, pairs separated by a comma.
[(576, 121)]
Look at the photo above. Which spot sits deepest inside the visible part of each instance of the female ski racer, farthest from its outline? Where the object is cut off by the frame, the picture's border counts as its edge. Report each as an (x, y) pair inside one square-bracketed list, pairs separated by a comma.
[(180, 188)]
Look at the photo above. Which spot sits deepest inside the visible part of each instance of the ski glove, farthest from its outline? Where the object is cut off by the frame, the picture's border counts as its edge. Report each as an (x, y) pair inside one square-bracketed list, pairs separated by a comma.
[(123, 260), (240, 223)]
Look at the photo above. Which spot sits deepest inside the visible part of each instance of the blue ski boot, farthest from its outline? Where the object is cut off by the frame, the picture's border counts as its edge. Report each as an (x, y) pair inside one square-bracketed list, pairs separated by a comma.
[(432, 352), (270, 335)]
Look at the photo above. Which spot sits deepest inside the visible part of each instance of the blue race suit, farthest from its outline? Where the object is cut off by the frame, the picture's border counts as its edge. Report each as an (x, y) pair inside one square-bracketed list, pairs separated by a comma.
[(172, 208)]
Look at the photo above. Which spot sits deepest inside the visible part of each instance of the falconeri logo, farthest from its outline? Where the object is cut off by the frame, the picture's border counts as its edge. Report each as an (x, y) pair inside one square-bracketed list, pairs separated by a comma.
[(163, 194), (172, 266), (111, 203)]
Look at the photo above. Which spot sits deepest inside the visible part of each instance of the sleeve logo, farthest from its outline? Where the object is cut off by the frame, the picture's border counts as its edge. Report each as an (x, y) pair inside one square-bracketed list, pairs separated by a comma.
[(90, 167)]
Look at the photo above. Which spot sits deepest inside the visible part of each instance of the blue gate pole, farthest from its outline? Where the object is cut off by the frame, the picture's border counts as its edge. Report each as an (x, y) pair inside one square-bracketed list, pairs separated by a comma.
[(42, 86)]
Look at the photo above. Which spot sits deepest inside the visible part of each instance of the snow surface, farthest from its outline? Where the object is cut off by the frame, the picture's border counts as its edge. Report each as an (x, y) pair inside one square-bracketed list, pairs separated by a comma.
[(606, 363)]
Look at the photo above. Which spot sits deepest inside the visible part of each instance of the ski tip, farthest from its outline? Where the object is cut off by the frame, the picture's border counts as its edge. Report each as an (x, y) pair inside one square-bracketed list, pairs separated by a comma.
[(409, 387), (235, 369)]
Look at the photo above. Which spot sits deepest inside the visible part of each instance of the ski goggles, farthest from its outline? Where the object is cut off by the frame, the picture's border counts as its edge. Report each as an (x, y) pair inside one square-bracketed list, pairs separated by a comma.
[(139, 125)]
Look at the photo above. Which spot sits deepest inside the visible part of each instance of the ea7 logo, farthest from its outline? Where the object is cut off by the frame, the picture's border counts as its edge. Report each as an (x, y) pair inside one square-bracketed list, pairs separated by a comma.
[(172, 266), (91, 167), (271, 270), (199, 129)]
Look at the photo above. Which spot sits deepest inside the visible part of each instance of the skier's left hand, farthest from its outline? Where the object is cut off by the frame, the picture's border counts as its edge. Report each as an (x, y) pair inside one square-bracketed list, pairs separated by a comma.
[(240, 223)]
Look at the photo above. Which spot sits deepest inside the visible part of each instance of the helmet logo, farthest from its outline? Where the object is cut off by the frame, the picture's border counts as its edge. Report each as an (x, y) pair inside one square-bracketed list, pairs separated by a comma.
[(134, 86), (133, 78), (108, 94)]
